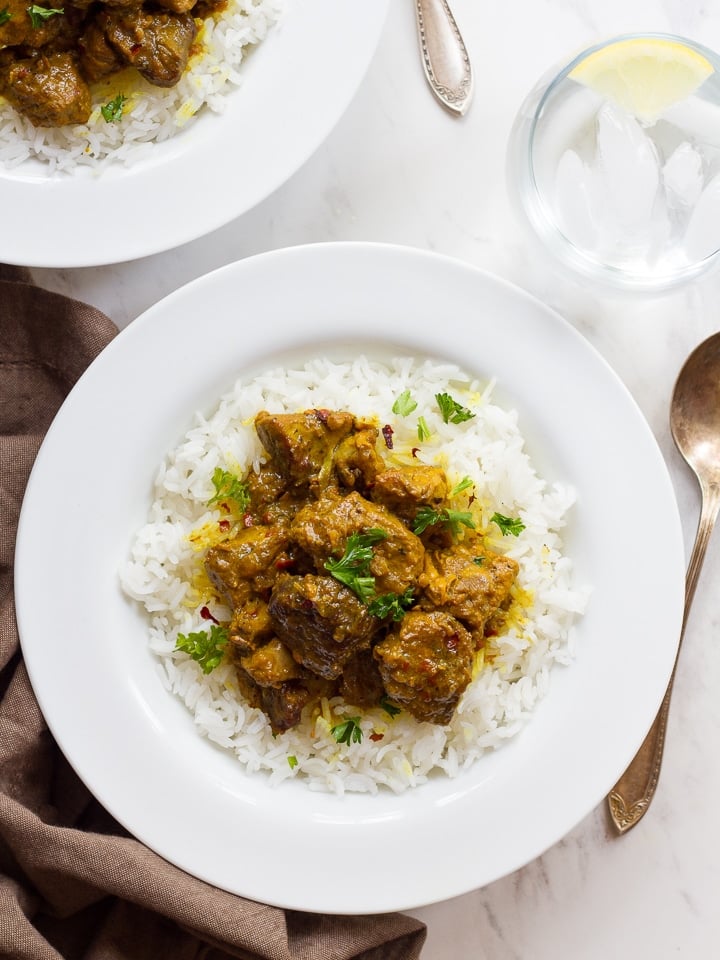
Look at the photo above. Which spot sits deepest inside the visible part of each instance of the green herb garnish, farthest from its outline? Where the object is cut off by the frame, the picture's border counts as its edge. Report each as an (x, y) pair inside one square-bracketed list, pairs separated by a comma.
[(349, 731), (229, 487), (423, 429), (292, 761), (478, 561), (353, 568), (404, 405), (5, 15), (38, 15), (389, 707), (460, 486), (451, 410), (508, 524), (206, 648), (391, 605), (112, 111), (427, 517)]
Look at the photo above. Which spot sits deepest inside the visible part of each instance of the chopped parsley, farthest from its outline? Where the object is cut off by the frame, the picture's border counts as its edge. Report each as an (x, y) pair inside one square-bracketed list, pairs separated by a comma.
[(5, 15), (404, 405), (478, 561), (229, 487), (349, 731), (507, 525), (391, 605), (460, 486), (112, 111), (38, 15), (451, 410), (427, 517), (389, 707), (205, 647), (292, 761), (423, 430), (353, 568)]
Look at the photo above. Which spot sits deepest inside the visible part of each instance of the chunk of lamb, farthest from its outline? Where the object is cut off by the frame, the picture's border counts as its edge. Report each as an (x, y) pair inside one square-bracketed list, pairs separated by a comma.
[(98, 58), (48, 90), (322, 529), (245, 564), (321, 621), (302, 444), (361, 683), (426, 664), (357, 462), (271, 665), (404, 490), (467, 581), (157, 44)]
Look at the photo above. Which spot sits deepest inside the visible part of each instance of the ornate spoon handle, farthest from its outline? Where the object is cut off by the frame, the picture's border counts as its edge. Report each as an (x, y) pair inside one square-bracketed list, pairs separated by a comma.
[(444, 56), (630, 797)]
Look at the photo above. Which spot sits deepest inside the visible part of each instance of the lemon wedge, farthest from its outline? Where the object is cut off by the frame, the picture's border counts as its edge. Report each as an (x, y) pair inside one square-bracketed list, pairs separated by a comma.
[(644, 75)]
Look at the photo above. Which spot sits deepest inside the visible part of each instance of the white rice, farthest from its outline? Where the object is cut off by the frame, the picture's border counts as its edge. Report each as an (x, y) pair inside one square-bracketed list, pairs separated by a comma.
[(151, 114), (490, 449)]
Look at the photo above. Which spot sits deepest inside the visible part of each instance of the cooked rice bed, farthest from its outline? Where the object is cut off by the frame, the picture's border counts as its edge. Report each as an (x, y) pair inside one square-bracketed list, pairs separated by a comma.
[(488, 448)]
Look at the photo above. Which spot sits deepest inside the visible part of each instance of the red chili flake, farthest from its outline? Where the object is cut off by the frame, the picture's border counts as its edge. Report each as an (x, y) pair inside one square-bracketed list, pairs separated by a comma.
[(135, 48), (206, 615), (387, 432), (472, 498), (376, 736), (224, 506), (224, 525), (452, 642), (247, 520), (322, 415), (415, 451), (284, 563)]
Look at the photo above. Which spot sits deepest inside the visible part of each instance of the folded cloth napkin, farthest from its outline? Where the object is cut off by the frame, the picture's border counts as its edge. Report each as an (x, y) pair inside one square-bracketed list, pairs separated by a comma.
[(73, 883)]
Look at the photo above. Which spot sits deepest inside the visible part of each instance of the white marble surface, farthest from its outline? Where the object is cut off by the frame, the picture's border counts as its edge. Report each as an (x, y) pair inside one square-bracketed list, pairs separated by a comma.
[(399, 169)]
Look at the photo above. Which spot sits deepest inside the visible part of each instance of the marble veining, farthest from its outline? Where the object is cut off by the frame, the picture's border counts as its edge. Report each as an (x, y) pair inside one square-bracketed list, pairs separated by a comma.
[(399, 169)]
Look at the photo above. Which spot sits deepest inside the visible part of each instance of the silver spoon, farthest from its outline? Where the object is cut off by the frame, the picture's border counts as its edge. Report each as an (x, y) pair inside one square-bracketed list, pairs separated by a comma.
[(444, 56), (695, 425)]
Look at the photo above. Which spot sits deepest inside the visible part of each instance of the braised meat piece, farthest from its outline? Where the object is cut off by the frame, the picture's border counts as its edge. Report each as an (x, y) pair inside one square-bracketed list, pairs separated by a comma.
[(284, 704), (426, 664), (302, 445), (321, 621), (98, 58), (156, 44), (249, 556), (16, 25), (405, 489), (322, 530), (49, 90), (250, 625), (361, 683), (271, 665), (357, 462), (467, 581)]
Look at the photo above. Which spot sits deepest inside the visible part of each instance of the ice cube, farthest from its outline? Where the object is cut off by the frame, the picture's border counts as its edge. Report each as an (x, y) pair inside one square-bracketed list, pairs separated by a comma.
[(702, 237), (566, 122), (573, 200), (682, 176), (628, 171), (699, 119)]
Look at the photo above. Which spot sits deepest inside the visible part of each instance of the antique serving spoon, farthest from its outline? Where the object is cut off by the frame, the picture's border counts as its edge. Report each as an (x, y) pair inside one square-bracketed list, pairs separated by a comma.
[(695, 425), (444, 56)]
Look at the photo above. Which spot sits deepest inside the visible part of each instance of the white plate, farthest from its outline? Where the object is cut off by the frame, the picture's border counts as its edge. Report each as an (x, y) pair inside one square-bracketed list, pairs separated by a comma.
[(134, 744), (297, 84)]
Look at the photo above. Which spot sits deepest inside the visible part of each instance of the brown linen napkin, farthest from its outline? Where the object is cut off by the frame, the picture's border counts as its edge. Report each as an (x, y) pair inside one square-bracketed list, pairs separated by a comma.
[(73, 883)]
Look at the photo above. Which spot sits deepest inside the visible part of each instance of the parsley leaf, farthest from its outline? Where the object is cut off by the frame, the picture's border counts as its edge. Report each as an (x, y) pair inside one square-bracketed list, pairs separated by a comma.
[(460, 486), (349, 731), (353, 568), (508, 524), (5, 15), (451, 410), (292, 761), (389, 707), (391, 604), (229, 487), (423, 429), (112, 111), (39, 14), (404, 405), (206, 648), (427, 517), (478, 561)]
